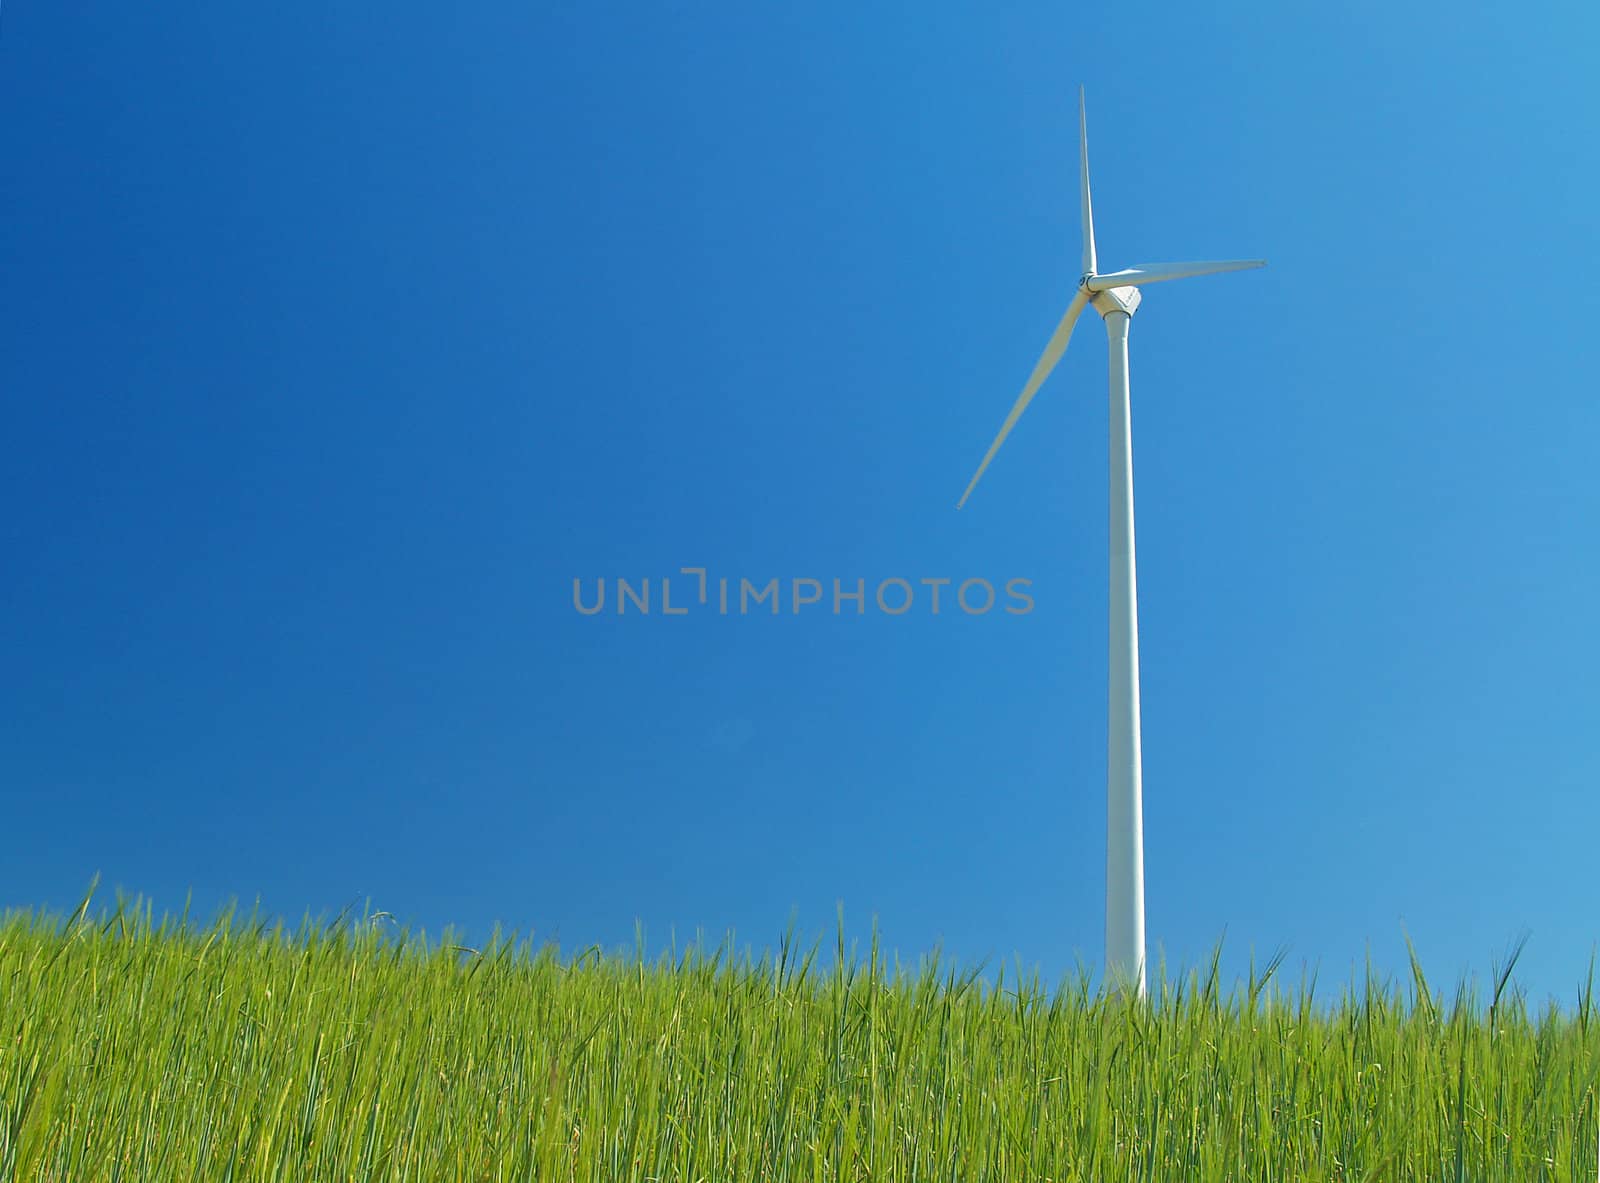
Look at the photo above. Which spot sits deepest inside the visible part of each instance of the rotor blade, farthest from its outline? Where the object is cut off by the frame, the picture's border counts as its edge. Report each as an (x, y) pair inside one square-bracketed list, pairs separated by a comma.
[(1047, 362), (1157, 272), (1085, 206)]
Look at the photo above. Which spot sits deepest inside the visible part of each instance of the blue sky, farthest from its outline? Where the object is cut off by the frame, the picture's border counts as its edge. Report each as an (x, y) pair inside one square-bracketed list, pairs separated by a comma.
[(334, 345)]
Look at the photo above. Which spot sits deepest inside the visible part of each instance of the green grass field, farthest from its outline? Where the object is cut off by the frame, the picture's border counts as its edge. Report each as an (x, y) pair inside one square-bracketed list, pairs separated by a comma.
[(140, 1050)]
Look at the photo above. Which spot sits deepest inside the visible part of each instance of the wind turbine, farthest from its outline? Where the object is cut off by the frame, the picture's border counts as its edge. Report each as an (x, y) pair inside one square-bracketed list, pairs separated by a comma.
[(1115, 296)]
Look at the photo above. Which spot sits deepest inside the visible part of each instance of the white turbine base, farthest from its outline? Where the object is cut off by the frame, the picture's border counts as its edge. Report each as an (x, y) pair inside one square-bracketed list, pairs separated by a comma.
[(1125, 943)]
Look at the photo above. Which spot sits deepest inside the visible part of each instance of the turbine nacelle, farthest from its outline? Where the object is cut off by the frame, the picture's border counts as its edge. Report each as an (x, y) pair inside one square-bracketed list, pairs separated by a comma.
[(1105, 301)]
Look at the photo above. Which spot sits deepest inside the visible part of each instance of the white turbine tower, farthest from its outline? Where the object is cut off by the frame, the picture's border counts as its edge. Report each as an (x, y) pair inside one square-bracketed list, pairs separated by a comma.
[(1114, 295)]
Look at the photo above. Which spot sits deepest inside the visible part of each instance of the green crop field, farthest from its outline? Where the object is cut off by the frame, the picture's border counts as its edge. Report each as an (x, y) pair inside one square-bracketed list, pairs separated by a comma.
[(144, 1050)]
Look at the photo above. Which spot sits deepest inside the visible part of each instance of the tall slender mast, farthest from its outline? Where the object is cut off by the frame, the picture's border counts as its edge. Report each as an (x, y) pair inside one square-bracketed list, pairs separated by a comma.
[(1125, 948)]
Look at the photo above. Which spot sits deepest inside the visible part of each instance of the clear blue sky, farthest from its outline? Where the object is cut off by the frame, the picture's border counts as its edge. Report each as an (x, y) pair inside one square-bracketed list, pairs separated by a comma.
[(336, 342)]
